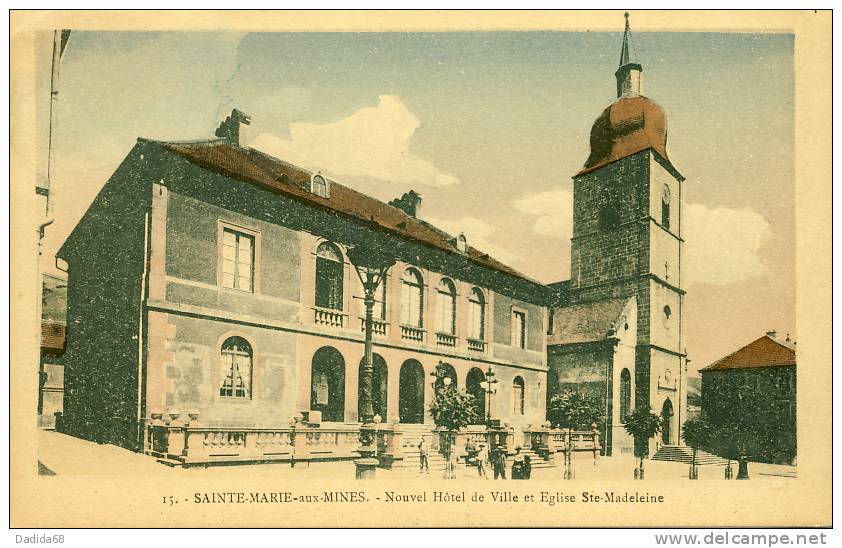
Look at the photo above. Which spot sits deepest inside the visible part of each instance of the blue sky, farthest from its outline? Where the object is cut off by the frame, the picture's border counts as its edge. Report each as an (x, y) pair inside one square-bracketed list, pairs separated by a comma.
[(488, 126)]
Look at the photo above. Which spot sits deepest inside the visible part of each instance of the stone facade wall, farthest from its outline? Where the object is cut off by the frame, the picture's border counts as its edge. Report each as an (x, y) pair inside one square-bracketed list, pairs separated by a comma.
[(599, 255), (105, 256)]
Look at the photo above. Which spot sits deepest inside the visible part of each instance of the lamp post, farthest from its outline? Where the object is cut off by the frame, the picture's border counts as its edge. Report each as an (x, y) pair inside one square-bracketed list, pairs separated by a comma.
[(371, 265), (293, 422), (488, 386), (442, 379), (441, 382)]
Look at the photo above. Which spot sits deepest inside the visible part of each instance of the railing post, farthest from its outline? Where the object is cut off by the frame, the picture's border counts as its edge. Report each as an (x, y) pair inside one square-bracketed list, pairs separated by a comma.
[(176, 435)]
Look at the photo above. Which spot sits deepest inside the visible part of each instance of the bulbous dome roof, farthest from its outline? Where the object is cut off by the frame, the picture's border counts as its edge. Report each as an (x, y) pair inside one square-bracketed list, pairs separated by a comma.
[(628, 126)]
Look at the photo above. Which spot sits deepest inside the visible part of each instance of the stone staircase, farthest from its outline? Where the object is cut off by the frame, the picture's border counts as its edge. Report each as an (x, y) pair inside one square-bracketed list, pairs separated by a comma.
[(536, 460), (675, 453), (410, 439), (412, 462)]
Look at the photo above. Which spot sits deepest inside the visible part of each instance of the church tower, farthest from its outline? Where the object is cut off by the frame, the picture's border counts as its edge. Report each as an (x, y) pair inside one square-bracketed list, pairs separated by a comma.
[(627, 237)]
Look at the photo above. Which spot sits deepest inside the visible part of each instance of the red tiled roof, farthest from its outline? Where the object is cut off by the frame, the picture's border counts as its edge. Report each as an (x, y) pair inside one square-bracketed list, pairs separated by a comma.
[(586, 322), (628, 126), (53, 335), (258, 168), (764, 352)]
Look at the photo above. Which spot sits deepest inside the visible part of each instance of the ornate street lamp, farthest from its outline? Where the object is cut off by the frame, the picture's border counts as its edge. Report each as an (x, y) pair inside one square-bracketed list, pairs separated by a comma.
[(489, 386), (442, 379), (371, 265)]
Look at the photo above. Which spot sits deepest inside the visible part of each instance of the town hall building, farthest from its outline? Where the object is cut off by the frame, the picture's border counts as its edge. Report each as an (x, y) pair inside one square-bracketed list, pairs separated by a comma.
[(213, 282)]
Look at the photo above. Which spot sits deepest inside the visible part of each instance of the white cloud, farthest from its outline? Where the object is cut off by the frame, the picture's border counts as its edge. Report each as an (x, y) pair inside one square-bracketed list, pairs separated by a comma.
[(480, 235), (371, 142), (723, 244), (554, 211)]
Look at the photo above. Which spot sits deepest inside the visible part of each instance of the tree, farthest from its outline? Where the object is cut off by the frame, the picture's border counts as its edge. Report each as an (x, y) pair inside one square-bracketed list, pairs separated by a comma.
[(642, 425), (696, 433), (574, 409), (453, 410)]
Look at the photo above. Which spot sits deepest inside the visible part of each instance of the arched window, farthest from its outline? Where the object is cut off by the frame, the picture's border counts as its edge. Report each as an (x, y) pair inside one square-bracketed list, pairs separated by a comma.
[(236, 368), (318, 185), (518, 395), (446, 307), (329, 276), (412, 299), (476, 315), (625, 395)]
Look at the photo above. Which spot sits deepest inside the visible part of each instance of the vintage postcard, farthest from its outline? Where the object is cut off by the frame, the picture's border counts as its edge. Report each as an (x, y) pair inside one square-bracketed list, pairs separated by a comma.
[(397, 269)]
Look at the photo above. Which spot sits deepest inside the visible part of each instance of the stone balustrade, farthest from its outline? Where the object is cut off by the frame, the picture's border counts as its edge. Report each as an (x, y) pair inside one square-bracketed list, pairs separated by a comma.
[(445, 339), (189, 443), (380, 328), (411, 333), (581, 440), (476, 345), (330, 318)]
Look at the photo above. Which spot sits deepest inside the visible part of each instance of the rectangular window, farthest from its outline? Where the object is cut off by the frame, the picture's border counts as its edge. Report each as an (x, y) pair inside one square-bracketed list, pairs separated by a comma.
[(237, 260), (519, 329)]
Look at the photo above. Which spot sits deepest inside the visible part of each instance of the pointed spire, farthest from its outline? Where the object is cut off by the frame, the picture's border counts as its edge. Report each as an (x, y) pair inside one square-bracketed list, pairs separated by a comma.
[(624, 52), (629, 78)]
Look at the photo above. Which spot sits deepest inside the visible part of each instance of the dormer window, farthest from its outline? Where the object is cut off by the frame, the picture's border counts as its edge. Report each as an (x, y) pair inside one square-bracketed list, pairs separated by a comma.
[(318, 186), (462, 243)]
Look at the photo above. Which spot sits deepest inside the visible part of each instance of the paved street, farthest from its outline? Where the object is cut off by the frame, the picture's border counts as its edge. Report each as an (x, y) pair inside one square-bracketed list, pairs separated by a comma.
[(60, 454)]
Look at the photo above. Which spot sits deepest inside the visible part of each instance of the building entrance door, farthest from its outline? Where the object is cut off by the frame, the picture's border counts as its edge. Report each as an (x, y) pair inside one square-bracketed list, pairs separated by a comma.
[(666, 418), (411, 404), (473, 384), (327, 384)]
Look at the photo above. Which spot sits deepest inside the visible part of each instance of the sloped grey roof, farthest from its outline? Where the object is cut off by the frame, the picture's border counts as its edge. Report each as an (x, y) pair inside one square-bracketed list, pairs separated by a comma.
[(586, 322)]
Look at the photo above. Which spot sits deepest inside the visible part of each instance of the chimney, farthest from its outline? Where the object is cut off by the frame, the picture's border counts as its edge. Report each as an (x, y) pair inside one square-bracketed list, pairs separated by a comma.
[(229, 129), (409, 203), (772, 334), (787, 337)]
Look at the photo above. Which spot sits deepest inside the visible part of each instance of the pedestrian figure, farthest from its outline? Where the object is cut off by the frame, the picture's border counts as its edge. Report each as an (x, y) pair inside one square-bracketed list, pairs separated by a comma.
[(422, 455), (499, 463), (450, 464), (517, 465), (527, 467), (482, 459)]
